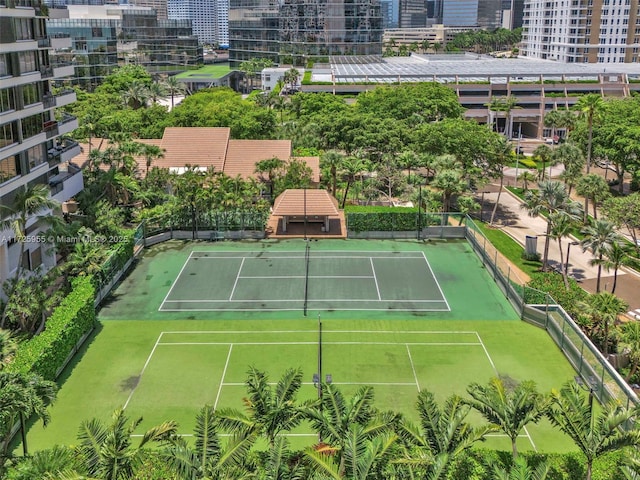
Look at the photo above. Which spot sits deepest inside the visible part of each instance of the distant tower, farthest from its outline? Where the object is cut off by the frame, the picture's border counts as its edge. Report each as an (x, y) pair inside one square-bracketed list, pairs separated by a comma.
[(203, 16), (582, 31)]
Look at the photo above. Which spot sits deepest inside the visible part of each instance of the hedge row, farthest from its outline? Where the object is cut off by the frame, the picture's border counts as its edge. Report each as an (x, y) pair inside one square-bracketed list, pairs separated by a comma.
[(44, 354), (389, 221), (121, 253)]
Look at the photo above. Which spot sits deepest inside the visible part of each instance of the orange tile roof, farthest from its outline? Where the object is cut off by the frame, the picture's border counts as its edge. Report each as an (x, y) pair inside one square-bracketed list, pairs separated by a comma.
[(242, 155), (209, 147), (313, 202)]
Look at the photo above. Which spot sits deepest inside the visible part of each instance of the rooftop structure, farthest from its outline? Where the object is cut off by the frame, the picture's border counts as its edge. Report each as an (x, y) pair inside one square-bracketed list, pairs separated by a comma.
[(32, 148), (539, 86)]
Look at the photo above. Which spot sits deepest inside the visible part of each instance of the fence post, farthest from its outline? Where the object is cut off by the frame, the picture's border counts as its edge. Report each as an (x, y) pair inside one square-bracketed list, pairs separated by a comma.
[(506, 287), (495, 265)]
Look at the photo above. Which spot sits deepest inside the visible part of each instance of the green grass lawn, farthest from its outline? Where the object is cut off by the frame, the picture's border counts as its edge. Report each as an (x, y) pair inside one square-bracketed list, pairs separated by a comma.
[(167, 365), (214, 71)]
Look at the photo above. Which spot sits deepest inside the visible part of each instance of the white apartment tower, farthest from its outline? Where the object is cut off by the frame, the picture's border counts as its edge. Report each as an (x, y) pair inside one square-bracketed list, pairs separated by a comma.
[(209, 18), (582, 31), (33, 150)]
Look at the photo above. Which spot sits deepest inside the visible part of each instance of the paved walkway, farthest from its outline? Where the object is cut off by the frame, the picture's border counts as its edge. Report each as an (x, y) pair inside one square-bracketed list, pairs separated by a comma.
[(518, 224)]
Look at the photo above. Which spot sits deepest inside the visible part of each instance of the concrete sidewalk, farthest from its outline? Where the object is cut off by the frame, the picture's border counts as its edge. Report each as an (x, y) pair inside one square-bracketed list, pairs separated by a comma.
[(515, 221)]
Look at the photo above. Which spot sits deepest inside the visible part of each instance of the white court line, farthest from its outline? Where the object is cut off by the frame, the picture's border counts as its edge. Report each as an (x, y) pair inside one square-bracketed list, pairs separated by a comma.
[(178, 310), (365, 253), (175, 281), (142, 371), (224, 372), (413, 368), (493, 365), (236, 282), (425, 344), (436, 280), (296, 299), (395, 384), (304, 276), (275, 332), (373, 270)]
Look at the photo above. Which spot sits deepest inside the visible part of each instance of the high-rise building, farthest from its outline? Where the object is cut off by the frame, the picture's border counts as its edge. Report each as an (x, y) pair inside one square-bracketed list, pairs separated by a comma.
[(413, 13), (32, 150), (160, 6), (107, 36), (582, 31), (210, 18), (293, 31)]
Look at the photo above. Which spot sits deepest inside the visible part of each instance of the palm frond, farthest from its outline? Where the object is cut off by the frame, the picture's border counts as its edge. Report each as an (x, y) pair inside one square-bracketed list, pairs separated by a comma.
[(207, 442)]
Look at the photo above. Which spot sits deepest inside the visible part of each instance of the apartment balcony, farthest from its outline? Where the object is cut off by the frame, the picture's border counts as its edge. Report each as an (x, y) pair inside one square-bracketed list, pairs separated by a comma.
[(63, 98), (19, 46), (63, 152), (54, 129), (57, 71), (67, 183), (13, 115)]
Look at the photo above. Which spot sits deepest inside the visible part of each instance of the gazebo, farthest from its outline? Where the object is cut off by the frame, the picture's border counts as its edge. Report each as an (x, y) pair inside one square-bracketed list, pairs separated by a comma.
[(310, 207)]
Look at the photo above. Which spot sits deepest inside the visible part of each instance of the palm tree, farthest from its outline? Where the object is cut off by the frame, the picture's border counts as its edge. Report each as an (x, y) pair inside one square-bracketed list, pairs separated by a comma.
[(553, 120), (595, 188), (590, 106), (352, 167), (107, 450), (269, 411), (408, 160), (545, 154), (520, 470), (614, 258), (603, 309), (551, 198), (630, 344), (509, 409), (205, 457), (449, 182), (136, 95), (466, 204), (499, 160), (173, 87), (362, 454), (23, 396), (573, 160), (599, 238), (441, 436), (156, 91), (27, 204), (526, 177), (506, 105), (562, 227), (151, 153), (573, 414), (333, 161)]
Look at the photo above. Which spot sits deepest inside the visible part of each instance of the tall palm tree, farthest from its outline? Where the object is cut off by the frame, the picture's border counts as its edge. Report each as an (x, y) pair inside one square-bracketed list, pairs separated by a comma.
[(156, 91), (174, 87), (136, 95), (590, 106), (573, 160), (614, 258), (151, 153), (553, 120), (545, 154), (562, 227), (500, 157), (595, 188), (630, 344), (206, 457), (332, 160), (526, 177), (603, 309), (550, 198), (509, 409), (107, 450), (351, 167), (441, 436), (27, 204), (593, 434), (450, 182), (599, 238), (23, 396), (269, 411)]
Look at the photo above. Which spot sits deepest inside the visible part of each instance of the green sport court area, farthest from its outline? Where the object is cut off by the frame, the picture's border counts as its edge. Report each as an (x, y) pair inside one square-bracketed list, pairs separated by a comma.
[(184, 326)]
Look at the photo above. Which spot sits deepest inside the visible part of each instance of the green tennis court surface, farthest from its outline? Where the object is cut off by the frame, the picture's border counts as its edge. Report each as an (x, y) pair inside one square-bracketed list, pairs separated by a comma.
[(289, 280), (185, 325)]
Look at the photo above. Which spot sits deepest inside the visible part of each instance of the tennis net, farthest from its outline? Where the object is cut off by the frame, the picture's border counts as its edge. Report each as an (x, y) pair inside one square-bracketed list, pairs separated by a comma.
[(307, 249)]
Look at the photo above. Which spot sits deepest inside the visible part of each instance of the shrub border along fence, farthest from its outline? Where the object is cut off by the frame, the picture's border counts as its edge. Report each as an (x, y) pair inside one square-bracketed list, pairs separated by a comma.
[(604, 382)]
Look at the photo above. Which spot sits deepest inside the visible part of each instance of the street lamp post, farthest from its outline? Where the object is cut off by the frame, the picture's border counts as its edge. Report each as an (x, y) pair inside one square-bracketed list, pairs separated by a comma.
[(566, 266), (419, 207)]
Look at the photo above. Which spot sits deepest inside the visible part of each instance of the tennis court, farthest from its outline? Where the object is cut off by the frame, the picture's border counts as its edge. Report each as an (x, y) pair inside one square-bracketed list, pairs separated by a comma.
[(301, 280)]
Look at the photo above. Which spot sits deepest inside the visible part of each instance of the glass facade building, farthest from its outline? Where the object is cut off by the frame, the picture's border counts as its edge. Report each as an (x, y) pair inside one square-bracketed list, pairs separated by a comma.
[(135, 35), (294, 31)]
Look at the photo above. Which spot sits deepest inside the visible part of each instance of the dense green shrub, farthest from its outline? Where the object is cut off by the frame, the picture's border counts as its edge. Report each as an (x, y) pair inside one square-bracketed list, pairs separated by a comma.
[(389, 221), (553, 284), (44, 354)]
